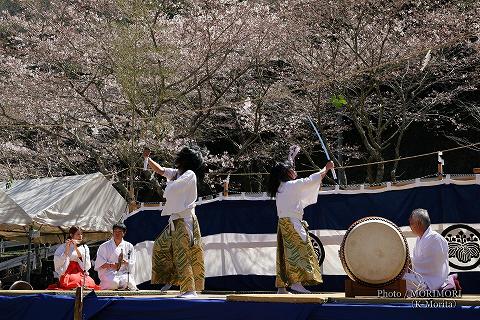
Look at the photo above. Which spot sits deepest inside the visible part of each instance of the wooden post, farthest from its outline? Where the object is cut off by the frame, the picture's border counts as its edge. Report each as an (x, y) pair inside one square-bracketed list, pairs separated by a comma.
[(132, 205), (78, 309), (225, 189), (225, 186)]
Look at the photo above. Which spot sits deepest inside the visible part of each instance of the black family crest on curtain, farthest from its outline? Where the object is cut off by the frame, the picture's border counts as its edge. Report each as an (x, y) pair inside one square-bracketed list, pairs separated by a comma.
[(318, 248), (463, 246)]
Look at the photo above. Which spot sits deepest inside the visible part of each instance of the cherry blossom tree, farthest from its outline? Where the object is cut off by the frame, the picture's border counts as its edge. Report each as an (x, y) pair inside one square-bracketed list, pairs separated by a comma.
[(86, 84)]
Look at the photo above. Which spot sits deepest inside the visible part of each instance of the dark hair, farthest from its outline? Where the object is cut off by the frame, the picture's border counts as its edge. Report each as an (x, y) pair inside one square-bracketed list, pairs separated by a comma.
[(72, 231), (190, 159), (120, 225), (278, 174)]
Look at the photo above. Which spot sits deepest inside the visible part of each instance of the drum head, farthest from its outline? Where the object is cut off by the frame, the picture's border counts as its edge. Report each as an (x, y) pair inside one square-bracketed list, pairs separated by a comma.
[(374, 251)]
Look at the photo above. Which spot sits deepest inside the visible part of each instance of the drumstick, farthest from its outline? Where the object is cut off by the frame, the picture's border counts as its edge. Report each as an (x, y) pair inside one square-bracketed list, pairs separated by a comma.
[(120, 260), (323, 145)]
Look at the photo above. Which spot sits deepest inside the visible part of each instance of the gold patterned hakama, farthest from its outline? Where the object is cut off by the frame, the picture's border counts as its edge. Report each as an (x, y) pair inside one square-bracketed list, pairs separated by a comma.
[(296, 259), (177, 259)]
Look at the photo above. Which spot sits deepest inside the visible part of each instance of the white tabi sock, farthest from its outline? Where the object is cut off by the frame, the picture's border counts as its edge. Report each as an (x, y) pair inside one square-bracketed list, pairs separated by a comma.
[(299, 288), (188, 294), (283, 291), (166, 287)]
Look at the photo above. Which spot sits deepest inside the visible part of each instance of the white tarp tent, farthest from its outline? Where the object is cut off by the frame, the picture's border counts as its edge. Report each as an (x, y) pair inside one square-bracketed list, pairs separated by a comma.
[(9, 208), (52, 205)]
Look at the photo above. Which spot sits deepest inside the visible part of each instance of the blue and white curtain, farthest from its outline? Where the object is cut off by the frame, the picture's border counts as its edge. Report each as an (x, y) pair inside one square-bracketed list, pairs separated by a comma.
[(239, 233)]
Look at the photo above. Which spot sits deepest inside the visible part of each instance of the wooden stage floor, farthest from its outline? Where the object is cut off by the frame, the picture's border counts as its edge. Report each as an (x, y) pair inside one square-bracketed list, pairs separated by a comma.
[(316, 298)]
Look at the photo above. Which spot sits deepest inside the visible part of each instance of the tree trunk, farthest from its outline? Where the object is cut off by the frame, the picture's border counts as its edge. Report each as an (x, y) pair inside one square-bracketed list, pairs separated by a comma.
[(375, 172)]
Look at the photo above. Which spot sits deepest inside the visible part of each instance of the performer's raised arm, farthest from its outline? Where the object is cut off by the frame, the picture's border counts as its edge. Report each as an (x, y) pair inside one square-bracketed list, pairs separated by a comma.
[(152, 164), (329, 166)]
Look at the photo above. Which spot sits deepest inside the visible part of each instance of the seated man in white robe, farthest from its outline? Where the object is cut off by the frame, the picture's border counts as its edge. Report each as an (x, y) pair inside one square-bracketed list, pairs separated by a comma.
[(429, 270), (115, 262)]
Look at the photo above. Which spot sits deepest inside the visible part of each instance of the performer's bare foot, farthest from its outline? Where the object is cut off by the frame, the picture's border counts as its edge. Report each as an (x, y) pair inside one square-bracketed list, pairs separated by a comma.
[(283, 291), (298, 288), (188, 294), (166, 287)]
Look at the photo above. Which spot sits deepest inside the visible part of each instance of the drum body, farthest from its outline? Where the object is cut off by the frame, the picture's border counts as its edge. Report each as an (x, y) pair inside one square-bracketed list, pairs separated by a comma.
[(374, 252)]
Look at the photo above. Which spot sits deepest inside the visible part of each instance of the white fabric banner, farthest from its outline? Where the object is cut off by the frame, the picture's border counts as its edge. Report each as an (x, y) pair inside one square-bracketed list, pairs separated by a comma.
[(254, 254)]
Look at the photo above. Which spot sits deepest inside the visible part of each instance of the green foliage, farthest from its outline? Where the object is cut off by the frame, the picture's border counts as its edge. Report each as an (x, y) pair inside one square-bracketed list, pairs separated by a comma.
[(338, 101)]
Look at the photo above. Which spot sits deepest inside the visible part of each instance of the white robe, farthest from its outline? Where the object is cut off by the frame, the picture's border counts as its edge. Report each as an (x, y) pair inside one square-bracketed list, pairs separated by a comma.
[(429, 261), (110, 279), (295, 195), (180, 192), (62, 260)]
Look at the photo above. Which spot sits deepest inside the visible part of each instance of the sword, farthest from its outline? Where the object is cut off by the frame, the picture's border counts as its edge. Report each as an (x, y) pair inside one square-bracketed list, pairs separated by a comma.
[(323, 144)]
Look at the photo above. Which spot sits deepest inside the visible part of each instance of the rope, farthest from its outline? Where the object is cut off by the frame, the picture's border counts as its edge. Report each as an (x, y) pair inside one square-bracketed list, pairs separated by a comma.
[(412, 157), (420, 284), (359, 165)]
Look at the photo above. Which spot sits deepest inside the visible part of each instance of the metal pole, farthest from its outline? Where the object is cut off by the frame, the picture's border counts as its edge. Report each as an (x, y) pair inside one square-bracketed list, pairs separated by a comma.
[(29, 257), (128, 269)]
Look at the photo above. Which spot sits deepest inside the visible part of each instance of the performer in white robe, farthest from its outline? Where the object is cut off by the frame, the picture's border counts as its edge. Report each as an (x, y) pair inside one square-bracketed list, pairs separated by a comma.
[(430, 256), (115, 262), (177, 255), (296, 260)]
